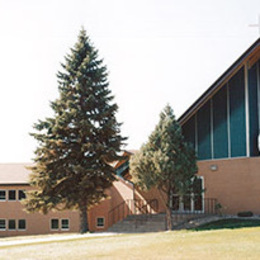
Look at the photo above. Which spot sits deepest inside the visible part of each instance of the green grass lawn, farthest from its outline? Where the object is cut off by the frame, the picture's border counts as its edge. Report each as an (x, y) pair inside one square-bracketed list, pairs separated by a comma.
[(243, 243)]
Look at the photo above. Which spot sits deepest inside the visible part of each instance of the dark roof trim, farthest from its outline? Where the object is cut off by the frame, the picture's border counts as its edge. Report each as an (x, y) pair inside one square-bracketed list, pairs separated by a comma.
[(202, 99), (14, 184)]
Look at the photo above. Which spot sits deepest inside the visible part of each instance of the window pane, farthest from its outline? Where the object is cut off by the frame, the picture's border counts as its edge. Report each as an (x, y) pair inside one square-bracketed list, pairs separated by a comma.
[(197, 191), (188, 131), (11, 195), (65, 224), (11, 224), (100, 222), (253, 110), (22, 224), (204, 133), (54, 224), (176, 202), (237, 114), (2, 194), (220, 124), (187, 202), (198, 203), (21, 195), (2, 224), (197, 186)]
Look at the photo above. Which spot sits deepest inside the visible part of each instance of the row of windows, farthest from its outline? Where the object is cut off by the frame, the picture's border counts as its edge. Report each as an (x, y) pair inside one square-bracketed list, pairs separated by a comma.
[(56, 224), (12, 224), (13, 195), (222, 127), (20, 224), (63, 224)]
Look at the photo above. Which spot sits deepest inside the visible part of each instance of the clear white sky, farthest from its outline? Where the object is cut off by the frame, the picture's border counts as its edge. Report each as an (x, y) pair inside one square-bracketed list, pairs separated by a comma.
[(157, 52)]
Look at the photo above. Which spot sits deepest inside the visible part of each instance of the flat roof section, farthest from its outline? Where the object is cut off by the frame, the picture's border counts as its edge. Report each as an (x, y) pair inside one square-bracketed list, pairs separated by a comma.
[(14, 173)]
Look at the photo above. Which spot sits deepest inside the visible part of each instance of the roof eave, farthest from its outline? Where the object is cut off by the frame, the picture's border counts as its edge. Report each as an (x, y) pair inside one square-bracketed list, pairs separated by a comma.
[(15, 184)]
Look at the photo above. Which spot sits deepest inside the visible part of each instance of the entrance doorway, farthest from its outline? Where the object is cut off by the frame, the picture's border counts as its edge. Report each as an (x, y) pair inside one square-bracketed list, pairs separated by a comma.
[(192, 202)]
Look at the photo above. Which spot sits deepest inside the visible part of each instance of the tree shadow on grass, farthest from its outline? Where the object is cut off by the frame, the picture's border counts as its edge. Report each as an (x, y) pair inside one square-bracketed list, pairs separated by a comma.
[(228, 224)]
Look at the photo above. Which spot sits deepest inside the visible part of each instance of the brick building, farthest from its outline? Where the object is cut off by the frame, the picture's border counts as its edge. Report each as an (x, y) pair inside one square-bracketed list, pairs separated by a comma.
[(223, 126), (15, 221)]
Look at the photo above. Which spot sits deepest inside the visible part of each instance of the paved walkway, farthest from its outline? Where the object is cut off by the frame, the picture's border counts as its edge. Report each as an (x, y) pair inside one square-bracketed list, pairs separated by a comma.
[(52, 238)]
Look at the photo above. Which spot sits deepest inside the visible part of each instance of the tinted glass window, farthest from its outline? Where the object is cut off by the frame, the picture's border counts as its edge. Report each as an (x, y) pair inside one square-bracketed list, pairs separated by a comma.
[(65, 224), (21, 195), (54, 224), (2, 194), (11, 224), (11, 195), (22, 224), (100, 222), (2, 224)]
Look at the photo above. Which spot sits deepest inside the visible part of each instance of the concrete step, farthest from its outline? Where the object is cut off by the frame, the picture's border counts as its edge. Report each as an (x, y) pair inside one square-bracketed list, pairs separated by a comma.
[(140, 223), (153, 217)]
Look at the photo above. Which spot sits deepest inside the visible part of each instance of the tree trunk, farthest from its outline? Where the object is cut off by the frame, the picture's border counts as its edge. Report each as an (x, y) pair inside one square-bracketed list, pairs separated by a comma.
[(171, 199), (168, 218), (167, 203), (83, 218)]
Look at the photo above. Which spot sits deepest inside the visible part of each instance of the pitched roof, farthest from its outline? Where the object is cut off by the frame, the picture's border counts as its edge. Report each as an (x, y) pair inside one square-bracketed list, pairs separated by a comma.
[(14, 173), (246, 56), (17, 173)]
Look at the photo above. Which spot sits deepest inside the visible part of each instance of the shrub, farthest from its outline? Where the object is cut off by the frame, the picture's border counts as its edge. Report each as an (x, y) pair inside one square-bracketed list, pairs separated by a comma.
[(245, 214), (218, 208)]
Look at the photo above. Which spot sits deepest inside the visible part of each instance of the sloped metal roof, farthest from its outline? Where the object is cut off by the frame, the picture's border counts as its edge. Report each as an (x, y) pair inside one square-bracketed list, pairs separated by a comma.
[(255, 47)]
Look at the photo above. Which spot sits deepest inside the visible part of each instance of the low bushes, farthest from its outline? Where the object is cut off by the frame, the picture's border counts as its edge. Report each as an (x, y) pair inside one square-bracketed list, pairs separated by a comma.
[(245, 214), (231, 223)]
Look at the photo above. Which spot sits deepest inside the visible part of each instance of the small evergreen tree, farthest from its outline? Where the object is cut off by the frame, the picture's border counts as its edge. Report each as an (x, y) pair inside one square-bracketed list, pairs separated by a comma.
[(75, 147), (166, 162)]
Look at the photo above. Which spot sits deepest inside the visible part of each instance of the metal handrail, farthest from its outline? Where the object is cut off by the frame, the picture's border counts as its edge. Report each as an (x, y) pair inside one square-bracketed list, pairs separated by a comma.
[(209, 206)]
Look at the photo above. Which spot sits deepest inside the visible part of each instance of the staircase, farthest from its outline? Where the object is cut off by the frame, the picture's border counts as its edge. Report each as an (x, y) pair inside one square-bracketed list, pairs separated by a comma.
[(156, 222), (133, 216), (140, 223)]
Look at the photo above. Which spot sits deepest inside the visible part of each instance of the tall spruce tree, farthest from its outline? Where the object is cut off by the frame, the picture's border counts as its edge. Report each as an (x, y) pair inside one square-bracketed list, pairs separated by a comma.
[(165, 162), (75, 147)]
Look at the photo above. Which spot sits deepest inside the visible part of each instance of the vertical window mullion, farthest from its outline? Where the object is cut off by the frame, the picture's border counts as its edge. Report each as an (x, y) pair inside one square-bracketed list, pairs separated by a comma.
[(247, 110), (192, 197)]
